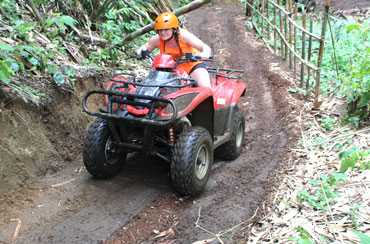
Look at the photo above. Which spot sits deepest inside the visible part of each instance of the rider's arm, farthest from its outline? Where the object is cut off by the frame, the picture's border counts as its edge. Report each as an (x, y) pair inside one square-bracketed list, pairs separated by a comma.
[(192, 40), (152, 44)]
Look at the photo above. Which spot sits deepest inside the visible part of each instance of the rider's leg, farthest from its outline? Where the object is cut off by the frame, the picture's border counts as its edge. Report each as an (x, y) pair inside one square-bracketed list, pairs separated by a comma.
[(201, 75)]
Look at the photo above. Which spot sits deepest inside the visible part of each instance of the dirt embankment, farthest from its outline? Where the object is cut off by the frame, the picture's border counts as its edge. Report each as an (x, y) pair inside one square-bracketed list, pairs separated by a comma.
[(41, 139)]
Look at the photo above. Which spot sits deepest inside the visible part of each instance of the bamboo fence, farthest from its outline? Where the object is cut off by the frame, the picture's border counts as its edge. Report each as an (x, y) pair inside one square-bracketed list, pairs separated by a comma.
[(269, 16)]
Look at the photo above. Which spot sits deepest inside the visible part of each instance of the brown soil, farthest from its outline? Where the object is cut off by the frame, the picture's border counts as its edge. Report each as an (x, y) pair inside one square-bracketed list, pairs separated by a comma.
[(43, 182)]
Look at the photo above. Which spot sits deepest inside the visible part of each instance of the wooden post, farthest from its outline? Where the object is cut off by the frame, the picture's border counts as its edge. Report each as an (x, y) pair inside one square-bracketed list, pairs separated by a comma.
[(316, 102), (303, 47)]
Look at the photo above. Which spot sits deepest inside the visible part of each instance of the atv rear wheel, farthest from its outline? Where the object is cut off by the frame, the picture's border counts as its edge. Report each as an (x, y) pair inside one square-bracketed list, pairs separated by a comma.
[(192, 161), (101, 155), (232, 149)]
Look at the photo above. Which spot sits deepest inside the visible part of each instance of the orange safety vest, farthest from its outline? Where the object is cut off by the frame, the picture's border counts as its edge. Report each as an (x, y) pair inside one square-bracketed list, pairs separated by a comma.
[(176, 53)]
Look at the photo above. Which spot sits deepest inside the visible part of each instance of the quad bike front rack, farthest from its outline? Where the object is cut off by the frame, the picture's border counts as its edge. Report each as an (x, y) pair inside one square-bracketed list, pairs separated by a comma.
[(127, 81), (129, 99)]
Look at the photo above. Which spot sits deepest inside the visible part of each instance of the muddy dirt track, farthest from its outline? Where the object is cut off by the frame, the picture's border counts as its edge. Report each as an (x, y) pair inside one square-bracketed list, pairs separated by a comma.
[(71, 207)]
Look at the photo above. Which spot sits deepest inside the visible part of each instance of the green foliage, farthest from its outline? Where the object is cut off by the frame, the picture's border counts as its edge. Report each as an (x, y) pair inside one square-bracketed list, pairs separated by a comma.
[(354, 215), (10, 7), (328, 123), (351, 121), (110, 20), (62, 21), (324, 194), (352, 80), (351, 157), (365, 239), (22, 29), (8, 66), (303, 237)]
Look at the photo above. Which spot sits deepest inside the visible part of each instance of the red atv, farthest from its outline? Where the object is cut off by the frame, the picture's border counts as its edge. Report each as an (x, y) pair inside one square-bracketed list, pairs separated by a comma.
[(167, 115)]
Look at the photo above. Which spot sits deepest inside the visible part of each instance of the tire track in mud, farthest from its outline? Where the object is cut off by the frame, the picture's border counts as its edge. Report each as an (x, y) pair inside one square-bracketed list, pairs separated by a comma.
[(237, 188)]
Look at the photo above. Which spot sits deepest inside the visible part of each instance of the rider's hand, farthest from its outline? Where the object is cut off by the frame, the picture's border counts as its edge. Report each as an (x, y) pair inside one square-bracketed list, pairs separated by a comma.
[(140, 50), (205, 55)]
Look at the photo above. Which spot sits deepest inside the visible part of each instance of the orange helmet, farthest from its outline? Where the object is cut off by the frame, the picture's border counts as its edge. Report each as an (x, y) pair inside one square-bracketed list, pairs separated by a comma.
[(166, 20)]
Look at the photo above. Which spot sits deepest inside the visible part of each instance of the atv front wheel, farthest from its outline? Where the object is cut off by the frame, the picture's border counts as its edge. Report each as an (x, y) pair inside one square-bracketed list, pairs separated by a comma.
[(232, 149), (101, 155), (192, 160)]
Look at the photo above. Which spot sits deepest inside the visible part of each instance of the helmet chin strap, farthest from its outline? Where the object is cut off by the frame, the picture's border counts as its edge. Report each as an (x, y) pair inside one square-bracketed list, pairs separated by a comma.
[(173, 34)]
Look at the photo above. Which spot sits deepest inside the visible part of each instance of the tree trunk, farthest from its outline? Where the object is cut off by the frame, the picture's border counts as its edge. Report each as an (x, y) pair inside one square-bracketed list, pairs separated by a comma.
[(180, 11)]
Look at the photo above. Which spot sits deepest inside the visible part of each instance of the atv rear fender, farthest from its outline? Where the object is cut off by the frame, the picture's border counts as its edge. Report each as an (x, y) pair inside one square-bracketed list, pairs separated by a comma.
[(227, 89)]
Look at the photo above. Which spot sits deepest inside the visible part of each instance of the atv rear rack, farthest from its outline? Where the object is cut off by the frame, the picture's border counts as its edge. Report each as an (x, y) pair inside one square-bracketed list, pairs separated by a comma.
[(128, 99), (230, 73)]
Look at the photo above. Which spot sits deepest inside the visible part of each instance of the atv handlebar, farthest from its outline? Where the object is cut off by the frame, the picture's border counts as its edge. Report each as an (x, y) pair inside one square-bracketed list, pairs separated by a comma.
[(146, 54)]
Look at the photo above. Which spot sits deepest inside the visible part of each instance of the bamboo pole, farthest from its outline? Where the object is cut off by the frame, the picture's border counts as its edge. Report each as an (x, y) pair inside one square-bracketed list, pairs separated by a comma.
[(284, 40), (281, 30), (286, 44), (309, 54), (268, 16), (299, 27), (316, 102), (303, 47), (295, 40), (286, 36), (290, 33), (263, 14), (275, 41), (334, 53)]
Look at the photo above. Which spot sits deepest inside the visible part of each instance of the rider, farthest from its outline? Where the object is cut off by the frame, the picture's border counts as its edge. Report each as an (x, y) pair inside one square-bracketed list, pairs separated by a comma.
[(173, 40)]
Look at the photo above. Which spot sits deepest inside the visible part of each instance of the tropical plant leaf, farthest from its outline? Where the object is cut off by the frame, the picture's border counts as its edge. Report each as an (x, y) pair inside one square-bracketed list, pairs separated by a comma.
[(347, 163), (3, 76), (59, 78), (364, 238), (364, 101), (353, 27), (347, 152), (6, 47)]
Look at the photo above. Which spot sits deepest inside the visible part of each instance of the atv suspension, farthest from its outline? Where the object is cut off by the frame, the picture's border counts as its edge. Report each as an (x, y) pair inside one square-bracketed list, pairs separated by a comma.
[(171, 135)]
